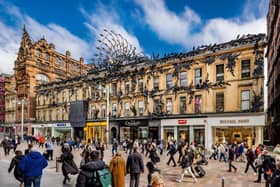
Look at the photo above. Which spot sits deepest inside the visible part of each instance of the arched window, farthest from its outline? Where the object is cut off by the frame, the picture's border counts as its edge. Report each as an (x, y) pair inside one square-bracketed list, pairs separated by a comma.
[(47, 57), (38, 53), (42, 78)]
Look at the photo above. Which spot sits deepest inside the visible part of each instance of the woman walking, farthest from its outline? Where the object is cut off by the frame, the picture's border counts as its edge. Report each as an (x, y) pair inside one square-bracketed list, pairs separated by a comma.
[(68, 165), (15, 165), (118, 170)]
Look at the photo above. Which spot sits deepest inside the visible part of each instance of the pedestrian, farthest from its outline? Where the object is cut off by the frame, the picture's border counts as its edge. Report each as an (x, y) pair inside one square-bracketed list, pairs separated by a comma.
[(230, 159), (49, 148), (15, 143), (41, 141), (153, 154), (180, 151), (28, 150), (171, 152), (118, 170), (275, 181), (114, 146), (259, 164), (186, 165), (15, 165), (151, 170), (134, 166), (68, 164), (157, 180), (250, 161), (6, 145), (32, 166), (222, 151), (85, 177)]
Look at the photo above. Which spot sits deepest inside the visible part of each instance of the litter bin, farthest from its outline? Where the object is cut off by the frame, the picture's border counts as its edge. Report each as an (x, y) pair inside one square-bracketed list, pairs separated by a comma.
[(57, 164)]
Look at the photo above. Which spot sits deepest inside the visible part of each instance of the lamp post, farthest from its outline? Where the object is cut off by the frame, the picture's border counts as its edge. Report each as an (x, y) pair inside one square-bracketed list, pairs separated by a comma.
[(108, 113), (21, 102)]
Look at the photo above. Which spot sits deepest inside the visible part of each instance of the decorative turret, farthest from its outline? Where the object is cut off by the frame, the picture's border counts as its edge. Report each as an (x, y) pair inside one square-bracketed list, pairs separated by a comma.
[(25, 44)]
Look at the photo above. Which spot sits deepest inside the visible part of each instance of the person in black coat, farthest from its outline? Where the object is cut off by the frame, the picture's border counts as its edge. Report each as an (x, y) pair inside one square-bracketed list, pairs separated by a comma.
[(15, 165), (153, 154), (85, 177), (134, 166), (151, 169), (230, 159), (275, 181), (186, 165), (68, 164), (172, 150)]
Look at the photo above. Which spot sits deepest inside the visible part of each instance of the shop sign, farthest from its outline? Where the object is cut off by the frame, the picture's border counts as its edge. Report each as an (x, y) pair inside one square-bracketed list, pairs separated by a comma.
[(182, 121), (132, 123), (234, 121), (61, 124)]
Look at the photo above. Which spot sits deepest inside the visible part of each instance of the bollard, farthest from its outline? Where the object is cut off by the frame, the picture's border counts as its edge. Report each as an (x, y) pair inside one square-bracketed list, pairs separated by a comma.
[(223, 182), (57, 164)]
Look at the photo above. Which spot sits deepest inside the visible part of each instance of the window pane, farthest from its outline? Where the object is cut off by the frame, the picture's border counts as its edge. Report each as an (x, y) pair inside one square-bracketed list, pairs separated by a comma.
[(220, 72), (169, 106), (169, 81), (245, 68), (183, 78), (245, 95)]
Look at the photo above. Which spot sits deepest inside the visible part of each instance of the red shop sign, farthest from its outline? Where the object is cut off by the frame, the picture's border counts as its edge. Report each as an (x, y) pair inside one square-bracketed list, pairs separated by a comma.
[(182, 121)]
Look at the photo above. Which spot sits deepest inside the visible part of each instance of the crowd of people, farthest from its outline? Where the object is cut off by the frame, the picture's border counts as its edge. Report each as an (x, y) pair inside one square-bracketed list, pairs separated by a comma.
[(94, 171)]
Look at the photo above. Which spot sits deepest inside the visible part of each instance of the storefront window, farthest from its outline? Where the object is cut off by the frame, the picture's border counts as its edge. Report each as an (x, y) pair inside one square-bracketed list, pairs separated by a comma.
[(143, 132), (199, 136), (183, 134), (168, 135), (197, 103)]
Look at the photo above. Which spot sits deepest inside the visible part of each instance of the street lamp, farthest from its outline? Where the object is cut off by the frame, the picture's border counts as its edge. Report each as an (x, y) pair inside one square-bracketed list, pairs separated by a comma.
[(21, 102), (107, 90)]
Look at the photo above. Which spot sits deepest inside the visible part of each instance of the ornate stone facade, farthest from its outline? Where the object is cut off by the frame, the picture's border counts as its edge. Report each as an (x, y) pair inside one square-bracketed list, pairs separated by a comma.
[(215, 80), (273, 83)]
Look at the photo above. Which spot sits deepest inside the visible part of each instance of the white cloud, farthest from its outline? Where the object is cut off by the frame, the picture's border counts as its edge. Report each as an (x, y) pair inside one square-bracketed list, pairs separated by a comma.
[(10, 36), (187, 30), (106, 18)]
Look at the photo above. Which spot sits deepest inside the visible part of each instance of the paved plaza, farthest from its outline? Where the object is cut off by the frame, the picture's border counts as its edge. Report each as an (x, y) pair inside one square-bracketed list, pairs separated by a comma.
[(215, 171)]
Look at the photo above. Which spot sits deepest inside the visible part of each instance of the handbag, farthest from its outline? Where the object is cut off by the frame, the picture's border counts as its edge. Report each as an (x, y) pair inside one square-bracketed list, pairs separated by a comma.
[(71, 167)]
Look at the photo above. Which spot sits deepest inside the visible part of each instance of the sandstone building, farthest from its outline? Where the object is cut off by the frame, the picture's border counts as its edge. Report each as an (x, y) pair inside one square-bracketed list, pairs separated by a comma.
[(213, 93), (273, 59)]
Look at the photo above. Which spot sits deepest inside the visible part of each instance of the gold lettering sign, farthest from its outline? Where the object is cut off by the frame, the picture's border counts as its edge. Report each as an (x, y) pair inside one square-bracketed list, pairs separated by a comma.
[(234, 121)]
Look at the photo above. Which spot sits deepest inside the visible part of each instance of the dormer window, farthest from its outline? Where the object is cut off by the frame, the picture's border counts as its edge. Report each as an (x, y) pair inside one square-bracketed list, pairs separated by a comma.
[(38, 53)]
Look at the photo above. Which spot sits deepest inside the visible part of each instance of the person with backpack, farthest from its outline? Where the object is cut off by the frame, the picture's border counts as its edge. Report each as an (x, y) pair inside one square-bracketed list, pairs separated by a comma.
[(186, 165), (134, 166), (90, 176), (15, 165), (269, 167), (118, 170), (259, 164)]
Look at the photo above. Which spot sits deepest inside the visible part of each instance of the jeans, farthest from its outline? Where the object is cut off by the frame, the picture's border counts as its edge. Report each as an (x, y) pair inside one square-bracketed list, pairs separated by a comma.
[(28, 181), (134, 179), (250, 164), (231, 166)]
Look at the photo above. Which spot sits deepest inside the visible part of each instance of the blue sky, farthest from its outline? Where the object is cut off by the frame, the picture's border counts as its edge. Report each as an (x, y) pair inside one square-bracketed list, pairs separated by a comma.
[(153, 26)]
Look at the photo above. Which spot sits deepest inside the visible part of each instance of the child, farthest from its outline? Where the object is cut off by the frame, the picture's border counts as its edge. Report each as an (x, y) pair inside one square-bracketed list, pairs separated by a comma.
[(15, 164)]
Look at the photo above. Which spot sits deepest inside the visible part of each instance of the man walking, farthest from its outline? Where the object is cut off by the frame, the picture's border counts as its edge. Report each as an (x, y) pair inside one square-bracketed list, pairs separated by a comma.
[(186, 165), (32, 168), (171, 152), (230, 159), (134, 166)]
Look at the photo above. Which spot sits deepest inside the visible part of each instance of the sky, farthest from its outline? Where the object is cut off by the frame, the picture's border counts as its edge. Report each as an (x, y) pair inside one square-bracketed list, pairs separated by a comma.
[(152, 26)]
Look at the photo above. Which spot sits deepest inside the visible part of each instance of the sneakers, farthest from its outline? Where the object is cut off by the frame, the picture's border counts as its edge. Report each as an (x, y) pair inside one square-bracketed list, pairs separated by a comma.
[(255, 174), (178, 180)]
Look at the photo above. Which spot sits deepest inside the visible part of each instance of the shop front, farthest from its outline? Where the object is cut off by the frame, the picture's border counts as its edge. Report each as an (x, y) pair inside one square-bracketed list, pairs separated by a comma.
[(133, 129), (183, 129), (95, 130), (62, 130), (240, 129)]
